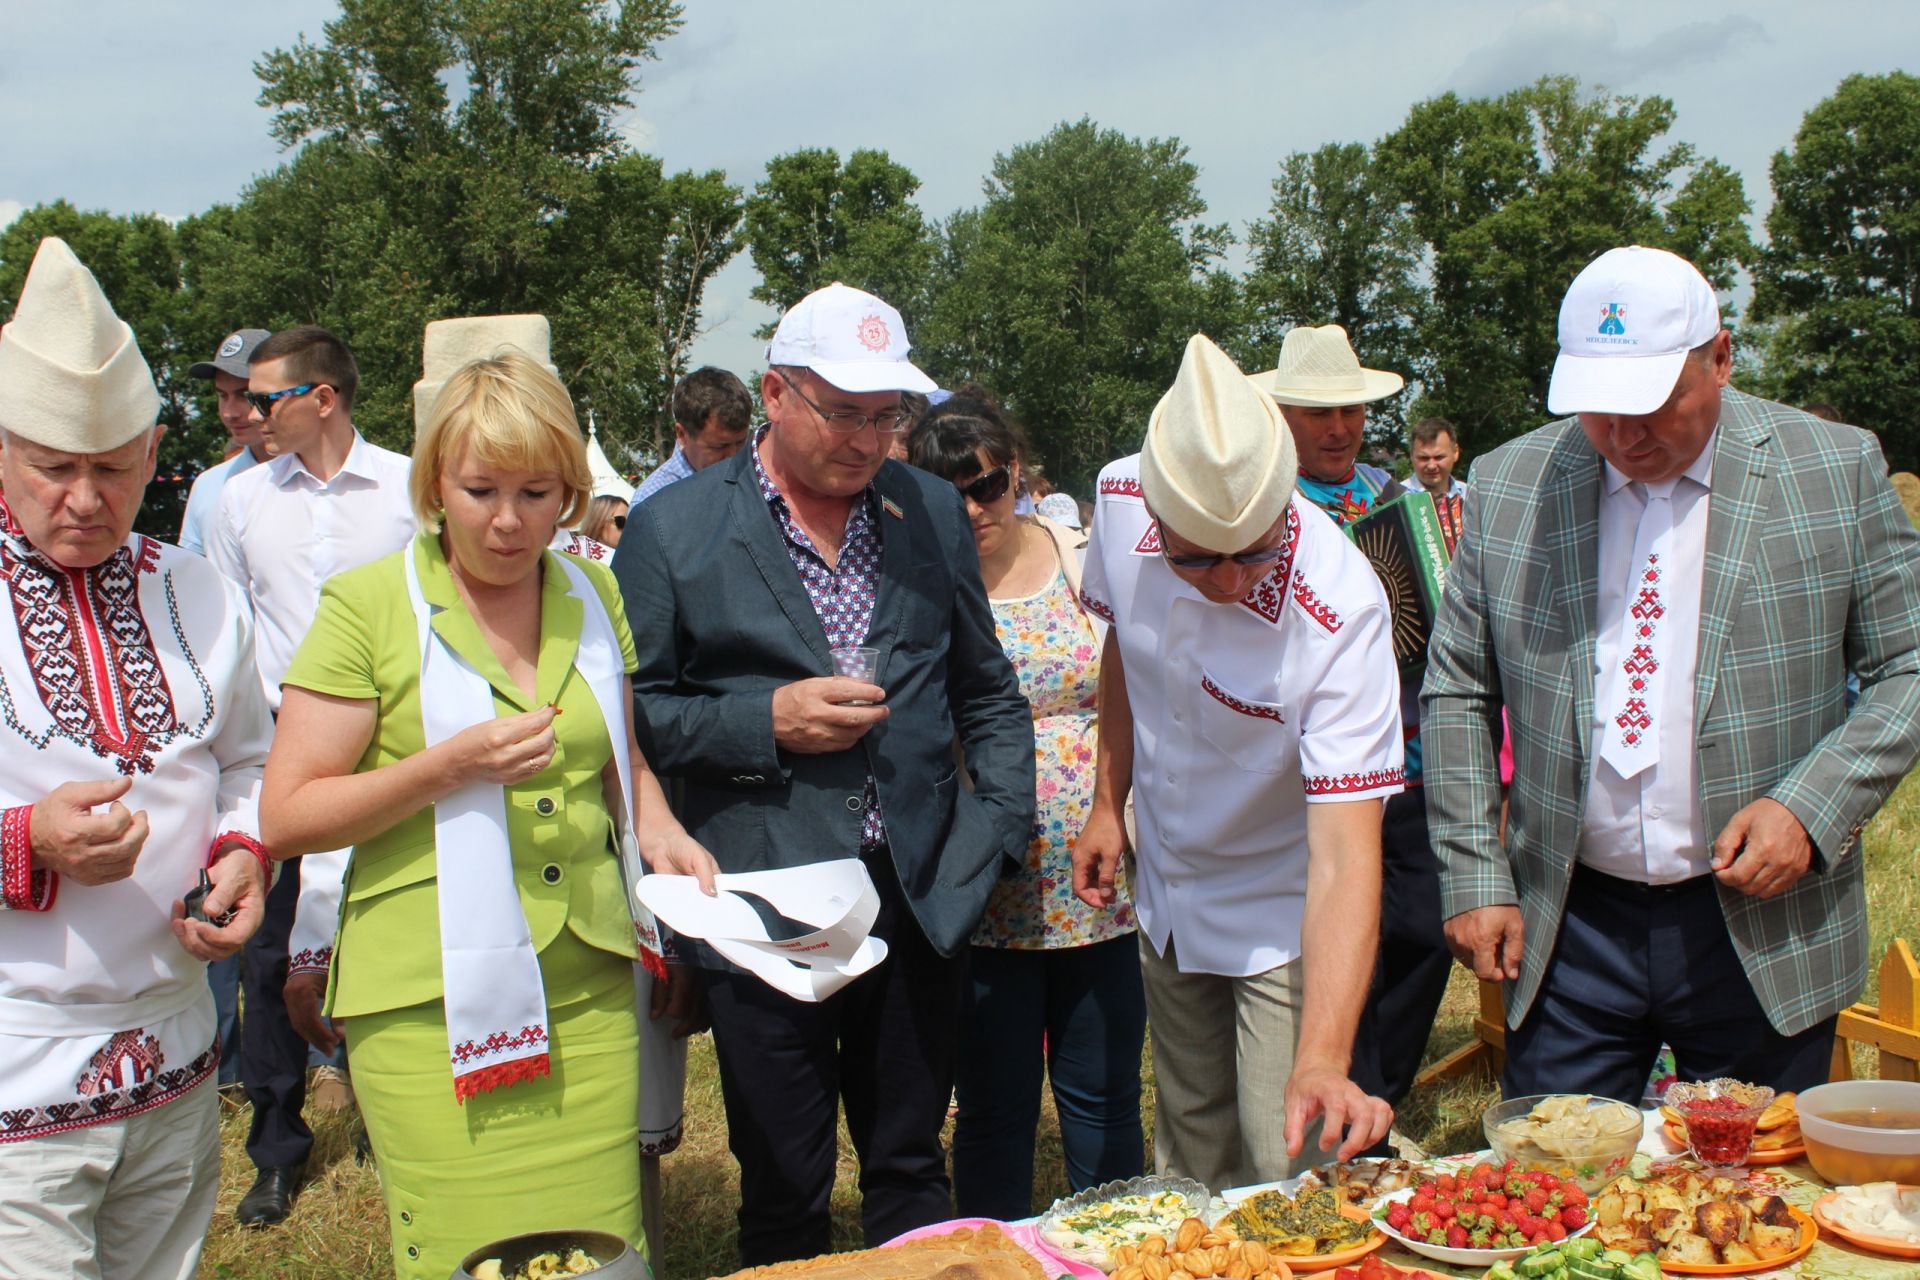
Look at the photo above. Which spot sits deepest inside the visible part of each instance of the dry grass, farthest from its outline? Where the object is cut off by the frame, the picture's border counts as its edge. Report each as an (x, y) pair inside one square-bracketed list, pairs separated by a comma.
[(339, 1231)]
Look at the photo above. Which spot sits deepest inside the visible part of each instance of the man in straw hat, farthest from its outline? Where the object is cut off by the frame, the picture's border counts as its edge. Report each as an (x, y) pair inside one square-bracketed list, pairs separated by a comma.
[(1249, 703), (137, 733), (326, 500), (1667, 589), (1323, 393), (741, 581)]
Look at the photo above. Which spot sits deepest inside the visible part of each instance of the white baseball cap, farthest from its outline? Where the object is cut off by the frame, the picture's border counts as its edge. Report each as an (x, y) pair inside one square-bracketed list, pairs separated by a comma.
[(1626, 326), (849, 337)]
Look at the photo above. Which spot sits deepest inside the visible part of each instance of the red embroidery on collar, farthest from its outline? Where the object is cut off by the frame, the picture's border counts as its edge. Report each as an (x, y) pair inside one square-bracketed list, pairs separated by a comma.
[(1319, 611), (1149, 544), (1266, 598), (91, 653), (1122, 484)]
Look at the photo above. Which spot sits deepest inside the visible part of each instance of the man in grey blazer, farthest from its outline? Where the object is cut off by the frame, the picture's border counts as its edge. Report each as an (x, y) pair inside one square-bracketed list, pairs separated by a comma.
[(739, 581), (1668, 590)]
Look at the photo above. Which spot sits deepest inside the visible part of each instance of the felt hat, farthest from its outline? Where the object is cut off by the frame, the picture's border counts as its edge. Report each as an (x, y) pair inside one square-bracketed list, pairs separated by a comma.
[(71, 374), (452, 343), (1626, 325), (851, 338), (1218, 463), (1319, 370)]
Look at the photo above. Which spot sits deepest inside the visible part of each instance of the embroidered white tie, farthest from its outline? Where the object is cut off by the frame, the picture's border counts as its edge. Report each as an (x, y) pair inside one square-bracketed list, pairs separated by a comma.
[(1632, 740)]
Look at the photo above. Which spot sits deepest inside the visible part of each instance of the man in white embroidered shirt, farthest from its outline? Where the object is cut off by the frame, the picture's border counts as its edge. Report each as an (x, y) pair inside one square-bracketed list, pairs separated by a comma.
[(1241, 702), (137, 735), (326, 500)]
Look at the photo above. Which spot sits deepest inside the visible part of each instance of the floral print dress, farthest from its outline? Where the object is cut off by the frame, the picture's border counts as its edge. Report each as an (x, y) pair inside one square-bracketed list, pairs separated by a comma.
[(1056, 655)]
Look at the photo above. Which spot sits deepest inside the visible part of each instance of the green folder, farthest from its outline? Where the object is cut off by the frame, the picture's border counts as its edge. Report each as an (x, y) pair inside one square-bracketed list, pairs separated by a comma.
[(1404, 543)]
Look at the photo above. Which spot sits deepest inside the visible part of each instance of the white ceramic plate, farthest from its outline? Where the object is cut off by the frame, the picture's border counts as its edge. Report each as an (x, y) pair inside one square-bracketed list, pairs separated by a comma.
[(1453, 1257)]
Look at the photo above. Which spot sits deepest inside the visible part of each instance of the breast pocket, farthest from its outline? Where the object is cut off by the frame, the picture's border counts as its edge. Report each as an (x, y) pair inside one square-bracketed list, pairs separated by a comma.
[(1254, 734)]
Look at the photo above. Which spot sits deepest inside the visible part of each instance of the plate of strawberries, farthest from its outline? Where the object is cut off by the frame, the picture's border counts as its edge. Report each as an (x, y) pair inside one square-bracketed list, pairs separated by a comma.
[(1483, 1213)]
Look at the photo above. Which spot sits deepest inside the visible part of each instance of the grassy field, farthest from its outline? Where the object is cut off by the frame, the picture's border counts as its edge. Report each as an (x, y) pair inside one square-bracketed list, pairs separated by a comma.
[(339, 1231)]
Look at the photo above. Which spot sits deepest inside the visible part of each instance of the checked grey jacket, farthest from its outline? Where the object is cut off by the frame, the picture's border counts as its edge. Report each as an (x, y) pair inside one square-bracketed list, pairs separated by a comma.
[(1812, 569)]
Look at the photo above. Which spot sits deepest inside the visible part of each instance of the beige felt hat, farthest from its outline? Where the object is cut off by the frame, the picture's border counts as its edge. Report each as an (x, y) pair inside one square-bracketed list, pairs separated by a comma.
[(452, 343), (71, 375), (1218, 465), (1318, 369)]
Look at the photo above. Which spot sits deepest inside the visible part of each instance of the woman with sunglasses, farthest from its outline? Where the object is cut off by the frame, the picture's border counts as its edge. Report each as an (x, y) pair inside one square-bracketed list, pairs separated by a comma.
[(606, 519), (1055, 983)]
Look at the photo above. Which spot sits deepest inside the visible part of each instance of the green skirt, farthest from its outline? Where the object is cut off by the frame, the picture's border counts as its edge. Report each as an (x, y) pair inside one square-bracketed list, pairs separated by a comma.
[(555, 1153)]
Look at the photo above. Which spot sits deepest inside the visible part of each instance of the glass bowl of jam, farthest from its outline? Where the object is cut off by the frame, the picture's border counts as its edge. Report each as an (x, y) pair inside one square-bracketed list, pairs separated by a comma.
[(1720, 1117)]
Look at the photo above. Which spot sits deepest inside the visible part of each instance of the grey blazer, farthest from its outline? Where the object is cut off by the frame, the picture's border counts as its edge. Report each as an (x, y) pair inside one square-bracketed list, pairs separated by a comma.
[(1812, 569), (721, 619)]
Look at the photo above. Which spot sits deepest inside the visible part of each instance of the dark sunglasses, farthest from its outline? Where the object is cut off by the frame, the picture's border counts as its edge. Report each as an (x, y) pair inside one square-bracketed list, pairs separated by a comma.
[(988, 486), (1266, 555), (263, 401), (620, 521)]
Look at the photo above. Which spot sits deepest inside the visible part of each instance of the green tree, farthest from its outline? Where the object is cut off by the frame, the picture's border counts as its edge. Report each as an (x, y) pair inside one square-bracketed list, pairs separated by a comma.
[(1512, 197), (812, 221), (1071, 291), (1336, 248), (1840, 277), (136, 259), (461, 157)]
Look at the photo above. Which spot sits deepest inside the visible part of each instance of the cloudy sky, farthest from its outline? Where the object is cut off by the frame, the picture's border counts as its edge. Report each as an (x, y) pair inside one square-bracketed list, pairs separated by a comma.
[(131, 105)]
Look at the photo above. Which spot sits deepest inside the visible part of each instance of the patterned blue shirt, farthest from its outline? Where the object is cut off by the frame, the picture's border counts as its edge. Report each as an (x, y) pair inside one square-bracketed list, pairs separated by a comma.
[(676, 467), (843, 594)]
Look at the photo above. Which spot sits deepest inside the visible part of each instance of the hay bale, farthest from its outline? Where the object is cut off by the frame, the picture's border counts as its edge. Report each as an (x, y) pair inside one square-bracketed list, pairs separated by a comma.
[(1907, 485)]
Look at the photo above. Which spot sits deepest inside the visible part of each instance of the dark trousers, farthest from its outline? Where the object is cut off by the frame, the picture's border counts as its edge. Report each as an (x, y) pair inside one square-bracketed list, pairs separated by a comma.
[(1075, 1014), (1410, 971), (273, 1062), (1636, 965), (223, 976), (883, 1047)]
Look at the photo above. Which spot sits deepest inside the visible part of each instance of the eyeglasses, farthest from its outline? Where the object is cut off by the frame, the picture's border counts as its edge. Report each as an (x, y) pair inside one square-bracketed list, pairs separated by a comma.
[(263, 401), (845, 421), (988, 486), (1266, 555)]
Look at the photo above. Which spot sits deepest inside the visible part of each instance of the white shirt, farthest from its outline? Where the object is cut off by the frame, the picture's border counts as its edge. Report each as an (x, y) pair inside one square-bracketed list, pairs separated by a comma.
[(280, 532), (1243, 714), (1649, 827), (204, 499), (1455, 488), (139, 667)]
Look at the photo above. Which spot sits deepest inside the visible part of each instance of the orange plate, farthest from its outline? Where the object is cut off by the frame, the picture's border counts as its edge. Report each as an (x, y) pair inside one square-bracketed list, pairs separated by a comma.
[(1303, 1264), (1808, 1234), (1678, 1137), (1872, 1244)]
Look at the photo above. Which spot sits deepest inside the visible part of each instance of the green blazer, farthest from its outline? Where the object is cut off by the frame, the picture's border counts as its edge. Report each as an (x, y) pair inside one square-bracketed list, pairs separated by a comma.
[(365, 644), (1812, 570)]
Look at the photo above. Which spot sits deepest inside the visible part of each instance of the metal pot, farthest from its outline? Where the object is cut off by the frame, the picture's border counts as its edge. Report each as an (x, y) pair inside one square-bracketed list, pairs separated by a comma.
[(617, 1260)]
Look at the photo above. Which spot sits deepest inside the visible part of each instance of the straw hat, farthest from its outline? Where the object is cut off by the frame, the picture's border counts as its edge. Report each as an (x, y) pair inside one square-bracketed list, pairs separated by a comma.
[(1319, 370), (1218, 464), (71, 374), (452, 343)]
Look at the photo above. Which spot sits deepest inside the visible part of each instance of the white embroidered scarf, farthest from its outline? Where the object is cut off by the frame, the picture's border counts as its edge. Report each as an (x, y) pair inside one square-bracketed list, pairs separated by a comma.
[(496, 1007)]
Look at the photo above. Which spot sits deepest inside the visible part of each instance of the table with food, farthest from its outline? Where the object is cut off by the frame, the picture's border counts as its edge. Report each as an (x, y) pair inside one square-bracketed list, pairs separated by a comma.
[(1717, 1179)]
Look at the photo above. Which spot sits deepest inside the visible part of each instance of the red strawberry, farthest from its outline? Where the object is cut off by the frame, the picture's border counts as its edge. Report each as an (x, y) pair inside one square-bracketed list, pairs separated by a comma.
[(1572, 1194), (1422, 1202), (1483, 1172), (1496, 1199), (1573, 1217), (1399, 1216), (1457, 1237), (1555, 1231), (1536, 1201), (1444, 1209)]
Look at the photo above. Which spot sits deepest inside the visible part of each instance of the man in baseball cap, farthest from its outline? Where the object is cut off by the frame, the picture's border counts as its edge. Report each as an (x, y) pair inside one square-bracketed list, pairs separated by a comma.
[(1256, 724), (813, 636), (228, 373), (1667, 591)]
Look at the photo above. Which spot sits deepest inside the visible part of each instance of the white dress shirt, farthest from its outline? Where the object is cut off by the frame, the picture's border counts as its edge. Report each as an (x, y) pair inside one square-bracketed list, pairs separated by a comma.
[(204, 499), (1649, 827), (280, 532), (1243, 715)]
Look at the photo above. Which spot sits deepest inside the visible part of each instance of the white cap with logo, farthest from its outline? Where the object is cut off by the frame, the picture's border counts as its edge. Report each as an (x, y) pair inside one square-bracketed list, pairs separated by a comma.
[(849, 337), (1626, 326)]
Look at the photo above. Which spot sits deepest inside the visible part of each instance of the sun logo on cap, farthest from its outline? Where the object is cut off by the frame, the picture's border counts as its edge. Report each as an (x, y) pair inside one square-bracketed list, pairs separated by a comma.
[(1613, 319), (231, 347), (873, 334)]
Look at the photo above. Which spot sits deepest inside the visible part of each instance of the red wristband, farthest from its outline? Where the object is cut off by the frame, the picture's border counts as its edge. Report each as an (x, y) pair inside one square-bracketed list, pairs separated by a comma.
[(246, 842)]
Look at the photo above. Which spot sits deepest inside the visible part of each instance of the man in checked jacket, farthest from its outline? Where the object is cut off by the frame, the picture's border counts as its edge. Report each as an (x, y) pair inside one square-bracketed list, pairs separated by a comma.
[(1668, 590)]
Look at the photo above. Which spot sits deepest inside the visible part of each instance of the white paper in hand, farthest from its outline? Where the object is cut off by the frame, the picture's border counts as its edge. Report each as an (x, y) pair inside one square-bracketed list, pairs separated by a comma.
[(837, 898)]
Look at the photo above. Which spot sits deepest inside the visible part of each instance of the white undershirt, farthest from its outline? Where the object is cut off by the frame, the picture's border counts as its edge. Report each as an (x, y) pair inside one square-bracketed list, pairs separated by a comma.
[(1649, 827)]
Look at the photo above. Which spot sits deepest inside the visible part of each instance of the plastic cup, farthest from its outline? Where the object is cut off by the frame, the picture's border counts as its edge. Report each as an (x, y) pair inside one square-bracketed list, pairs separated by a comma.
[(856, 662)]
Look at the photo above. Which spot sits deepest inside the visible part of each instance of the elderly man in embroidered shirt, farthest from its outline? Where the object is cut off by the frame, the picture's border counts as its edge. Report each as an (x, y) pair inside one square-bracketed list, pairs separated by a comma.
[(1667, 590), (138, 732), (1247, 701)]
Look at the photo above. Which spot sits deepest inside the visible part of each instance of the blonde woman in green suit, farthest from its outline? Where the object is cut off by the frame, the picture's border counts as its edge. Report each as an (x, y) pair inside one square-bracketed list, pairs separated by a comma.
[(459, 714)]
